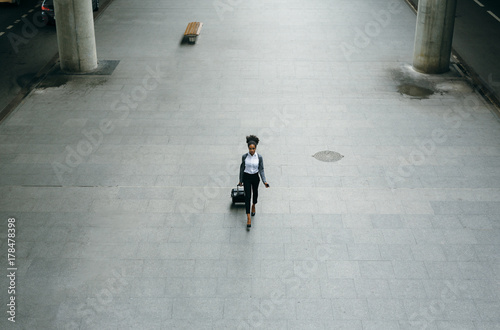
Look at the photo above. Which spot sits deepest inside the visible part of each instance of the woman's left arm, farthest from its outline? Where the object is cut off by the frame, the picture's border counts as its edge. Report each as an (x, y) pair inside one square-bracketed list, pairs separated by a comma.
[(261, 171)]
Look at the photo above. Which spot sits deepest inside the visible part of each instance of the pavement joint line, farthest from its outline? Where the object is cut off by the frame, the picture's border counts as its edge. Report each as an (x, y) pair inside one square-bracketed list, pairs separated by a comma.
[(479, 3), (73, 186), (46, 186), (494, 16)]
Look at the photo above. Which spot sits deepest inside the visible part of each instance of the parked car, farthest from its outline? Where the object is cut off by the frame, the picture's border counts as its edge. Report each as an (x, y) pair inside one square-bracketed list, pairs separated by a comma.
[(17, 2), (48, 15)]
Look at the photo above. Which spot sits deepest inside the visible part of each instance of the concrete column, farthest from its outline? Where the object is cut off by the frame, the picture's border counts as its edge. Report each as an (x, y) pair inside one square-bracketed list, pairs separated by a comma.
[(434, 35), (75, 35)]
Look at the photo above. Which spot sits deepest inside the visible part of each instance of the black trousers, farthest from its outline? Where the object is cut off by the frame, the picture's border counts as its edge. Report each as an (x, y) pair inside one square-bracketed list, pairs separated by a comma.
[(251, 185)]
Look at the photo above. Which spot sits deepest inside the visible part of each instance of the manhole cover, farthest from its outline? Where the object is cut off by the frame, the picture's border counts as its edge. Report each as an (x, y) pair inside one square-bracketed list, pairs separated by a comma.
[(415, 91), (328, 156)]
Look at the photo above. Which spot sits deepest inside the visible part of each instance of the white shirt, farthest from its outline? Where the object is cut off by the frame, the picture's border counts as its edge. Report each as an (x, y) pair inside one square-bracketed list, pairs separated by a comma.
[(252, 163)]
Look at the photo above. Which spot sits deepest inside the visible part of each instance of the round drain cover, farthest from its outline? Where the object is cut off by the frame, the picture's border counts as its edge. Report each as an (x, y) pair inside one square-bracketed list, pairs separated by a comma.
[(328, 156)]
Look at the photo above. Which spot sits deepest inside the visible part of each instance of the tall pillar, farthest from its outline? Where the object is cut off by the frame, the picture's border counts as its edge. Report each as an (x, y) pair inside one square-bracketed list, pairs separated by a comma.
[(75, 35), (434, 35)]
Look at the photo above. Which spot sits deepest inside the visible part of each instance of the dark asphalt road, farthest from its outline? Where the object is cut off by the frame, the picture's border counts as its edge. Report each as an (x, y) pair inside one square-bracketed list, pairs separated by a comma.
[(477, 39), (26, 45)]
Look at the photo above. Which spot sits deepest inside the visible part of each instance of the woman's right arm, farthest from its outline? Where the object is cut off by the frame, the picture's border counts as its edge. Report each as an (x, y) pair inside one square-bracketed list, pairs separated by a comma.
[(242, 169)]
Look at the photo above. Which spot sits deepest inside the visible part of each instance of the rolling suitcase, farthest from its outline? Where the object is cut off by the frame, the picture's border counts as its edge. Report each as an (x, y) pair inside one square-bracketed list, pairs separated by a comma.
[(238, 194)]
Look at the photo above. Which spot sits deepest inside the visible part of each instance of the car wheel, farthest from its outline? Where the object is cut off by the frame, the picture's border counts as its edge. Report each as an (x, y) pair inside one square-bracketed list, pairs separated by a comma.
[(96, 5)]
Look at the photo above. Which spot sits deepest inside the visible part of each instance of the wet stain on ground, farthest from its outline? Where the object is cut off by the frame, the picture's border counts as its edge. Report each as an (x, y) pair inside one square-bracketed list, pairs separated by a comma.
[(54, 81), (97, 82), (415, 91)]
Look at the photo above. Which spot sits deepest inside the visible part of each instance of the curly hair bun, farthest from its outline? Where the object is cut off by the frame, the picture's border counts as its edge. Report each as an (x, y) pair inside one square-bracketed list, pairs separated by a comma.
[(253, 138)]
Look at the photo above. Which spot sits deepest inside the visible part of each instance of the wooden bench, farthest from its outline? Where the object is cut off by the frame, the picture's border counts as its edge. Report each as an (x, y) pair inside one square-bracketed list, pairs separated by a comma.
[(193, 30)]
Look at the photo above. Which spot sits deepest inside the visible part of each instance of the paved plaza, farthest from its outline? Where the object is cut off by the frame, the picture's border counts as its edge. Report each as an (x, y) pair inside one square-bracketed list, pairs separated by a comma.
[(119, 184)]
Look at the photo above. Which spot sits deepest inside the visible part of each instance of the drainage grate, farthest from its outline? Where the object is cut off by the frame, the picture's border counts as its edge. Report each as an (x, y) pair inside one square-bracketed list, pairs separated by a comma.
[(104, 68), (328, 156)]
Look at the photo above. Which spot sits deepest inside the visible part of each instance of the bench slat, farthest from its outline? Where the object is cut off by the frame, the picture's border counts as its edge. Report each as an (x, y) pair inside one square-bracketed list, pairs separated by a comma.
[(193, 29)]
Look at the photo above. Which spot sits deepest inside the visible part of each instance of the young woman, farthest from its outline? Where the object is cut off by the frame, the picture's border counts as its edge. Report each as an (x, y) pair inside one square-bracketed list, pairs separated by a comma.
[(251, 167)]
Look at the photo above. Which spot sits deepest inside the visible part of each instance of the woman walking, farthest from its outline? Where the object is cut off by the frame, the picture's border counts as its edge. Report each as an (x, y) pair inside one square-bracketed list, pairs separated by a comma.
[(251, 167)]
